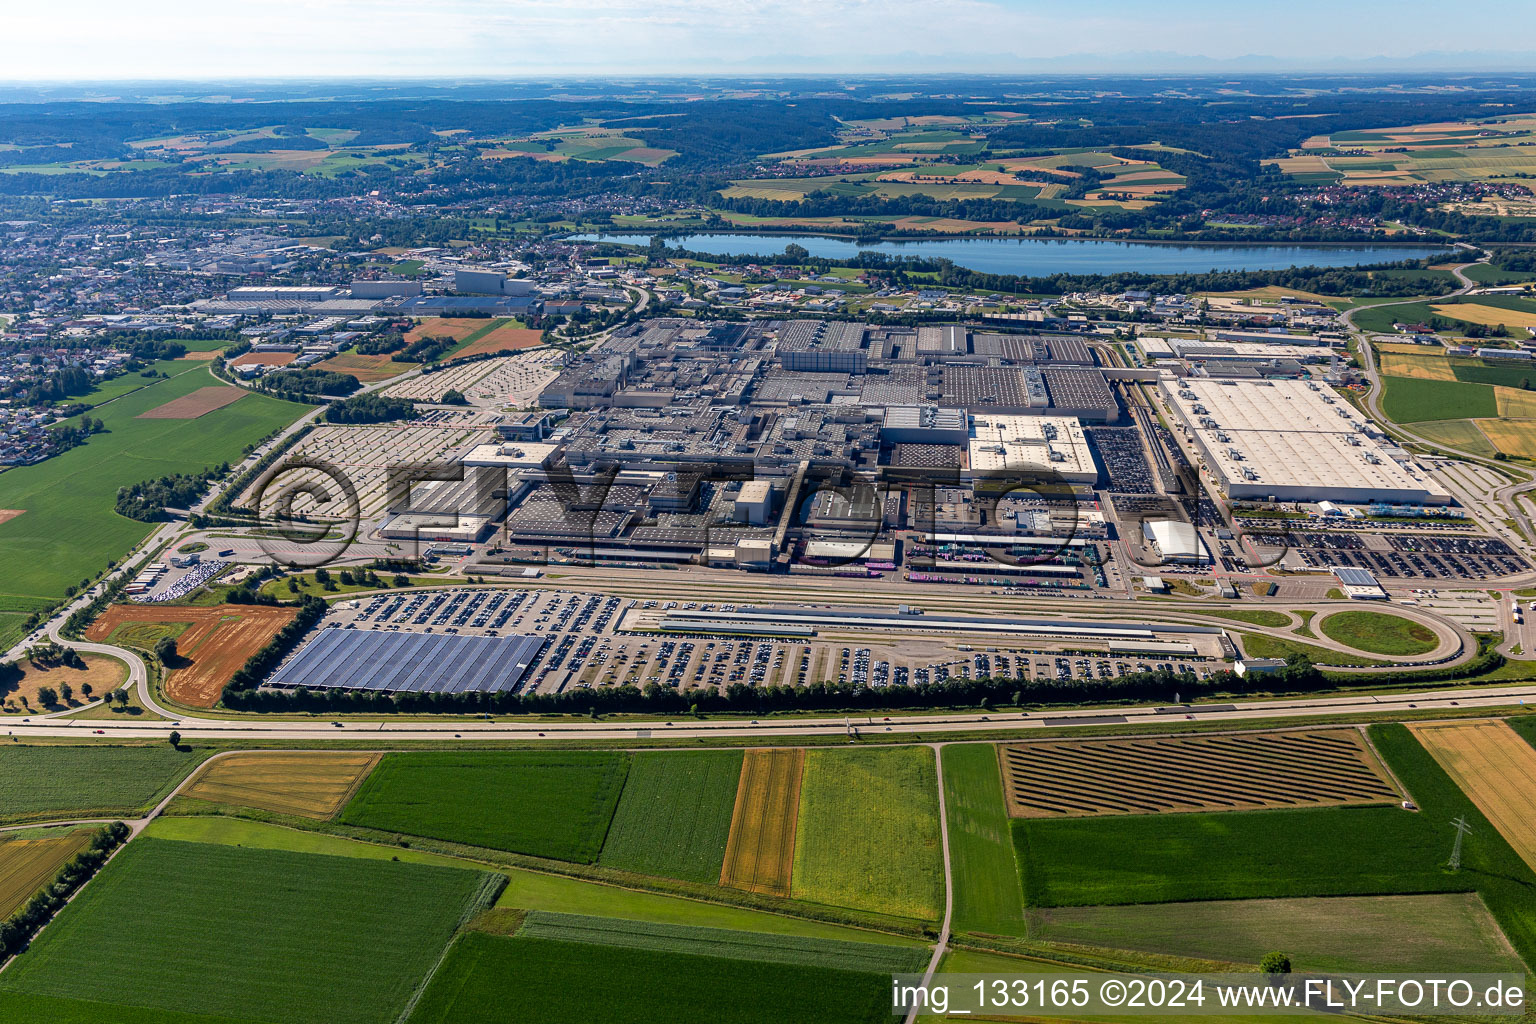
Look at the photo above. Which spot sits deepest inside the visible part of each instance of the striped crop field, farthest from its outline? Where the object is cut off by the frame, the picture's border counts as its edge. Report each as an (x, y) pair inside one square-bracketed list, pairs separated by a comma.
[(310, 783), (26, 865), (760, 853), (1151, 775), (1497, 771)]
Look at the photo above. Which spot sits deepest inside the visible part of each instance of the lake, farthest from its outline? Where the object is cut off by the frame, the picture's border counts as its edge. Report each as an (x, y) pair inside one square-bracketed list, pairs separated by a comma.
[(1041, 257)]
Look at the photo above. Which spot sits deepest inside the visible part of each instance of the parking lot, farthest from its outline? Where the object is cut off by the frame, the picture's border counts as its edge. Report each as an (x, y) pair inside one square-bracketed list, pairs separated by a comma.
[(593, 644), (1443, 556)]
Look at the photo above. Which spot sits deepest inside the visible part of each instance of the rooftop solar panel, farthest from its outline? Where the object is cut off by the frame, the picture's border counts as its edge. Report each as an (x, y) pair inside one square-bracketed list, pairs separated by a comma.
[(408, 662)]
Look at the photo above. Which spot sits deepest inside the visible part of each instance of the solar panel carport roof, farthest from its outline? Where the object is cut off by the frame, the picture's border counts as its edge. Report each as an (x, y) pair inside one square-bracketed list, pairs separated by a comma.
[(391, 662)]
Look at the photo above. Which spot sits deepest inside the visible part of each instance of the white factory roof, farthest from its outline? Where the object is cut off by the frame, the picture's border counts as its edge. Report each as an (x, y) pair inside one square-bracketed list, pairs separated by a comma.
[(755, 490), (1056, 443), (1182, 348), (1289, 435), (510, 454), (1175, 541)]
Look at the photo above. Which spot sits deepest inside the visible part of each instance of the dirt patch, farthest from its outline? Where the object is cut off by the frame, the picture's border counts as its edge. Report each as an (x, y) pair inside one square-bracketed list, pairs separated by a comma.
[(314, 784), (7, 514), (508, 337), (1496, 768), (457, 328), (198, 403), (367, 369), (265, 359), (1053, 779), (213, 643), (760, 853), (101, 674), (198, 357)]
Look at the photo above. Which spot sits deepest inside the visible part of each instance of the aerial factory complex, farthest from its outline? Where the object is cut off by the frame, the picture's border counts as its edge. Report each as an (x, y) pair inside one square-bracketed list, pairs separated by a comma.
[(738, 550)]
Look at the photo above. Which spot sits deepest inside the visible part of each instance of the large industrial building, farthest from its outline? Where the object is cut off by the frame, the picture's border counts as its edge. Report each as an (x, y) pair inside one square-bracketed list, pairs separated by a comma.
[(1294, 440), (1053, 446)]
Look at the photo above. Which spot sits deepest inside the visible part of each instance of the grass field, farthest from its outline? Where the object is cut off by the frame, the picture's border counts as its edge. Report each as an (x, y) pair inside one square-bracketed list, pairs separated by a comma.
[(79, 487), (868, 833), (250, 933), (722, 942), (1505, 881), (1161, 774), (554, 804), (1439, 932), (309, 783), (526, 890), (1409, 400), (1512, 437), (759, 854), (1378, 633), (26, 865), (674, 816), (1495, 768), (96, 781), (1463, 434), (985, 869), (582, 984), (1421, 365), (1324, 851)]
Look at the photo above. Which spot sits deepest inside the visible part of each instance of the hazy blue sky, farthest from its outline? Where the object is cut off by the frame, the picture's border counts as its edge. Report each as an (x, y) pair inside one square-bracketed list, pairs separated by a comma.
[(158, 39)]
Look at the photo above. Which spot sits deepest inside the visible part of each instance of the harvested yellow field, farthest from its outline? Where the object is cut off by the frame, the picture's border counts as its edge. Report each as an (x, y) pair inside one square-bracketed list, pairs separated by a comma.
[(312, 784), (1515, 403), (26, 865), (1496, 769), (1420, 365), (1512, 437), (760, 853), (1477, 313)]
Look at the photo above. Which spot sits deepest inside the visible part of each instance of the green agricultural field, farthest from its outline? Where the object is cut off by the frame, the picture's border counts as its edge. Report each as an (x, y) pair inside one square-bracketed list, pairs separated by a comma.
[(30, 1008), (251, 934), (88, 782), (1439, 932), (1164, 858), (544, 804), (1378, 633), (1497, 277), (572, 983), (1380, 317), (1409, 400), (1505, 881), (986, 872), (675, 814), (868, 834), (723, 942), (79, 487), (526, 890), (1509, 373)]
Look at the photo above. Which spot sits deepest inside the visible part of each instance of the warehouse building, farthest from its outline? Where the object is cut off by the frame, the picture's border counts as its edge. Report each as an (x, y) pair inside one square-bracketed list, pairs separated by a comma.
[(1293, 440), (1175, 542)]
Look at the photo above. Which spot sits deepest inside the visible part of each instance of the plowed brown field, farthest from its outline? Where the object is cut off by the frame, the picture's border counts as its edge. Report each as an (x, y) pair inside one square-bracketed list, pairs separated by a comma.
[(760, 853), (215, 642), (1497, 771), (311, 783), (198, 403)]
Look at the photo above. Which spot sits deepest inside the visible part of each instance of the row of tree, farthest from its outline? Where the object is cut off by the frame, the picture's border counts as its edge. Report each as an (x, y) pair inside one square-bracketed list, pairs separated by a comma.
[(17, 930)]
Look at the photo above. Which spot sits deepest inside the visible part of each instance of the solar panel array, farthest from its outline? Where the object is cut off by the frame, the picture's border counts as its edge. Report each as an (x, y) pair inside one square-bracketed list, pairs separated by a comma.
[(1352, 577), (346, 659)]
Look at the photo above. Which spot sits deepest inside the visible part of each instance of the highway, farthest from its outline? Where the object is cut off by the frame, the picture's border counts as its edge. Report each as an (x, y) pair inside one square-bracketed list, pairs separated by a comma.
[(927, 726)]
